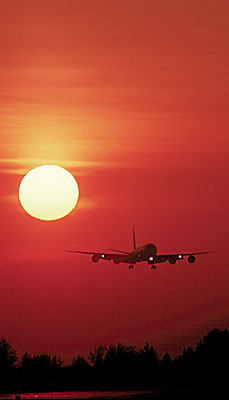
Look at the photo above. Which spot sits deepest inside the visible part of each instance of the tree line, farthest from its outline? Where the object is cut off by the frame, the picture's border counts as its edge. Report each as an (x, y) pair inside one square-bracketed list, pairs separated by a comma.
[(120, 367)]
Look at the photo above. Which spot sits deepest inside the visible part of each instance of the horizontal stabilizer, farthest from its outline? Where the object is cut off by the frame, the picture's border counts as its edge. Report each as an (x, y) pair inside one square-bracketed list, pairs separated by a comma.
[(120, 251)]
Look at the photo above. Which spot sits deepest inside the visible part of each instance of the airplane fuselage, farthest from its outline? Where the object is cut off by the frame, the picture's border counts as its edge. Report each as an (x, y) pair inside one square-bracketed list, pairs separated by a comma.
[(143, 253)]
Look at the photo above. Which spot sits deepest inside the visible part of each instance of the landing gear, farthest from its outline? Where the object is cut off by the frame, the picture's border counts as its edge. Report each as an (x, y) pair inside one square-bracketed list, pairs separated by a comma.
[(153, 266), (131, 266)]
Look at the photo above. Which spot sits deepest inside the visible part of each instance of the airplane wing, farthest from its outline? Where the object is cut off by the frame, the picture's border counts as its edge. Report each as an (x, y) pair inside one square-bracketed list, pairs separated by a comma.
[(103, 256), (187, 254), (172, 258), (82, 252)]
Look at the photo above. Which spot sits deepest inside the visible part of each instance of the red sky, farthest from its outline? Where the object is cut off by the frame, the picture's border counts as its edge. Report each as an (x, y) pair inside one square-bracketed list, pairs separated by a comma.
[(132, 98)]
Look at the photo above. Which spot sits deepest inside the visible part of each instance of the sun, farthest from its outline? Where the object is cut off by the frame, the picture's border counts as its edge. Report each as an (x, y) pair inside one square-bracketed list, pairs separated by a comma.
[(48, 192)]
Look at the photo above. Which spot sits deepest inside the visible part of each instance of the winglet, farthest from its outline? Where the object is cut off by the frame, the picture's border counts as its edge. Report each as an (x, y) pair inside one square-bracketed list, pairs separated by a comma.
[(134, 240)]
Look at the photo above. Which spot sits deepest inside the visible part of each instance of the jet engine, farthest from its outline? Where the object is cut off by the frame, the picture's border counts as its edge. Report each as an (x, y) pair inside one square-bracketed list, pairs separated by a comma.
[(191, 259), (95, 258), (172, 260), (116, 261)]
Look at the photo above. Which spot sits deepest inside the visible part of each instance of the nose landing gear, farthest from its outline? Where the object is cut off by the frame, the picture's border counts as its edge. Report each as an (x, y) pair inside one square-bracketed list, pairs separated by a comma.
[(131, 266), (153, 266)]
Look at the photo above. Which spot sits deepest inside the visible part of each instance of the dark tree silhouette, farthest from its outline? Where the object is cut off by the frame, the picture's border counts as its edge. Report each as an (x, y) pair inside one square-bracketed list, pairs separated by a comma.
[(121, 367), (148, 356), (212, 356), (8, 355), (80, 363), (118, 354), (167, 360), (40, 362), (8, 359), (40, 370), (120, 364), (79, 373), (148, 366), (97, 355)]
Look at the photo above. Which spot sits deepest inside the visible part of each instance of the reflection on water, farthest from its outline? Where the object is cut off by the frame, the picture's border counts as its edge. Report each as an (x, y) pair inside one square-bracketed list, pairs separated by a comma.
[(76, 395)]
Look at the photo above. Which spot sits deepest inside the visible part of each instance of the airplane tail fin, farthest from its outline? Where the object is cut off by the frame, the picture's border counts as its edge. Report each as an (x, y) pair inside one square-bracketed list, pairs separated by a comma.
[(134, 240)]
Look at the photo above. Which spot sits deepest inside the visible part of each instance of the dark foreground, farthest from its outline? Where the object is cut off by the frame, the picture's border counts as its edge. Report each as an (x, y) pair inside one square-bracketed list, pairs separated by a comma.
[(120, 372), (122, 395)]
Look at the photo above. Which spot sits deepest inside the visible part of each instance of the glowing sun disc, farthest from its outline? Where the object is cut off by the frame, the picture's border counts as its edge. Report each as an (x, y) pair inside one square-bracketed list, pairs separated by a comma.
[(48, 192)]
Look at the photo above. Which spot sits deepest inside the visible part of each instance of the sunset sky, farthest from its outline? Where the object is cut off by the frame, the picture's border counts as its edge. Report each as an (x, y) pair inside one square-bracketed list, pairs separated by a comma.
[(131, 97)]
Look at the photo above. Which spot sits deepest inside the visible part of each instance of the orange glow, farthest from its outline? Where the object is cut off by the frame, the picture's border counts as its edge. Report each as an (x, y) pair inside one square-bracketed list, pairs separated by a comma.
[(48, 192)]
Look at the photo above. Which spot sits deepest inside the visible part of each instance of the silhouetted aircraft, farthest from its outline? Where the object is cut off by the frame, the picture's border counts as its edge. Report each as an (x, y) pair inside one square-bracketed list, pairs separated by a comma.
[(147, 253)]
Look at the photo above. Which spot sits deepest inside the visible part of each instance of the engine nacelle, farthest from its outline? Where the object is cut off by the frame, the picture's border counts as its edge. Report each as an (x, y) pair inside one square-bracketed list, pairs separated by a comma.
[(191, 259), (116, 261), (172, 260), (95, 258)]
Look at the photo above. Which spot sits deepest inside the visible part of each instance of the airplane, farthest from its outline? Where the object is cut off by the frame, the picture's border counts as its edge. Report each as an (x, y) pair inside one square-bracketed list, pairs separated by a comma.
[(147, 253)]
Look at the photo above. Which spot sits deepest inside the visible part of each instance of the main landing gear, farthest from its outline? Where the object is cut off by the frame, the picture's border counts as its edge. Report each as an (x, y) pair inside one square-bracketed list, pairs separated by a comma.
[(131, 266), (153, 266)]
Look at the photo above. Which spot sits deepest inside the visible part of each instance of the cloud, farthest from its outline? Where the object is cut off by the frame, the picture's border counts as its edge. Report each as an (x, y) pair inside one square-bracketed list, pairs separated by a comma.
[(21, 166)]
